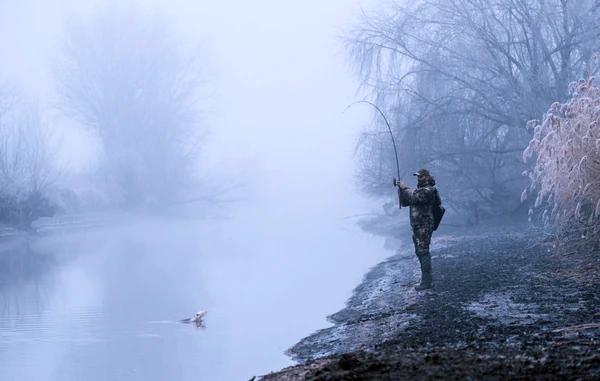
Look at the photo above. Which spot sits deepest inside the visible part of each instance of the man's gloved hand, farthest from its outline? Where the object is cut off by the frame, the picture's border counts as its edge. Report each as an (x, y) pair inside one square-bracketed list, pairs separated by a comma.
[(398, 183)]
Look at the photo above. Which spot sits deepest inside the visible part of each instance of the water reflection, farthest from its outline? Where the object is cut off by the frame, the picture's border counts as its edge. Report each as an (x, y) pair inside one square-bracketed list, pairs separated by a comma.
[(107, 304), (24, 279)]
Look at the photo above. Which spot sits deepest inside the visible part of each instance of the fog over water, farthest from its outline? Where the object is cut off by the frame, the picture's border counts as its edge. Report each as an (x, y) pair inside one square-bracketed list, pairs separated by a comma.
[(268, 264)]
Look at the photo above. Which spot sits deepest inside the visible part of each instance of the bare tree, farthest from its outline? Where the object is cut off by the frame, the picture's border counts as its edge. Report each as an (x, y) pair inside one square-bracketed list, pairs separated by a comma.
[(26, 162), (461, 78), (125, 74)]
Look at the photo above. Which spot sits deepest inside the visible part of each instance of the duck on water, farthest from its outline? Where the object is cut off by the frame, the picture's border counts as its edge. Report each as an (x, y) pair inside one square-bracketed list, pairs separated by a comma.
[(197, 319)]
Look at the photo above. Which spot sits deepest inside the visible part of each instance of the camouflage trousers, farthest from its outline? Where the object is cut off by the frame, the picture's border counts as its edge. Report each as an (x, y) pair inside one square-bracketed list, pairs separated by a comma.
[(422, 238)]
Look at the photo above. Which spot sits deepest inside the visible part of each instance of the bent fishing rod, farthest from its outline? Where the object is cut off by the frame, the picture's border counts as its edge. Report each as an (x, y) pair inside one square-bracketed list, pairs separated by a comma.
[(391, 135)]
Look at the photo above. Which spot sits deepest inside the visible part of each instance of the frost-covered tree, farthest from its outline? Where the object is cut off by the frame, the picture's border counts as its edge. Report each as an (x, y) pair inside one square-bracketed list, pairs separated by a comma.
[(125, 74), (565, 178), (460, 79)]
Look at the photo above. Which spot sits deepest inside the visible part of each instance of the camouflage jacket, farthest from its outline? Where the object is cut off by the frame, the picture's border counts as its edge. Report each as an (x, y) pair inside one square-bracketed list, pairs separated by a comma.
[(421, 202)]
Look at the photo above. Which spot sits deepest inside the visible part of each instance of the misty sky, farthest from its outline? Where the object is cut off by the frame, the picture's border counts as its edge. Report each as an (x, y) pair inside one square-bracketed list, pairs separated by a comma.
[(279, 83)]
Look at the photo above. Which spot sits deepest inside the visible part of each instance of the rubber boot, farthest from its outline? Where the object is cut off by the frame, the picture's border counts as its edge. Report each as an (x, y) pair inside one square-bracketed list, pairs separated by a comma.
[(426, 277)]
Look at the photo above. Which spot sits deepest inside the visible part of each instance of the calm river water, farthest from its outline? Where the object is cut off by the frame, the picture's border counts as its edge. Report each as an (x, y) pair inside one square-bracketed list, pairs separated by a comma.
[(104, 303)]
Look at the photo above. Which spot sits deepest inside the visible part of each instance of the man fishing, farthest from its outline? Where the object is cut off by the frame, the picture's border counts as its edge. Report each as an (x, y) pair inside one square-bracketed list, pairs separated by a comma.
[(425, 215), (426, 209)]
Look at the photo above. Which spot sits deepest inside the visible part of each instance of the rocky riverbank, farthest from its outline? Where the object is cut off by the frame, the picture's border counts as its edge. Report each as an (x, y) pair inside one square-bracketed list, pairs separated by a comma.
[(505, 305)]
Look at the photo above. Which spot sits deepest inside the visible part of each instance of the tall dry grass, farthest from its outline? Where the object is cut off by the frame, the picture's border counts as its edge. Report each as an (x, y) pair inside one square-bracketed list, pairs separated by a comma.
[(565, 178)]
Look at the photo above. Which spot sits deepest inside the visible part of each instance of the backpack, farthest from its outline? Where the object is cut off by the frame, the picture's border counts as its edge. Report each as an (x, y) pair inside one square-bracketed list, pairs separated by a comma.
[(438, 211)]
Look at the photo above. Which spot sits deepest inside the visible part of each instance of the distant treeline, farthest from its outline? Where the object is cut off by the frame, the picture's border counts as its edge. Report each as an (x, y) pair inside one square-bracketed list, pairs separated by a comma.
[(123, 75)]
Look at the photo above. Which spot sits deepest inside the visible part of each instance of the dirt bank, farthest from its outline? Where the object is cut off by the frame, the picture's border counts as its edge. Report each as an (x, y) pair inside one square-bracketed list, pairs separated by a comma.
[(504, 305)]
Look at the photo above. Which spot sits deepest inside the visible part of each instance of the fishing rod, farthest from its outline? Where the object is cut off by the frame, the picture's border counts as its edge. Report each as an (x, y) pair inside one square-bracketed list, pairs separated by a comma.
[(389, 130)]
